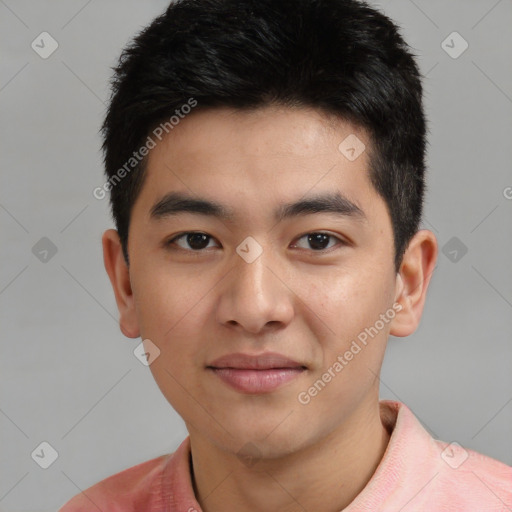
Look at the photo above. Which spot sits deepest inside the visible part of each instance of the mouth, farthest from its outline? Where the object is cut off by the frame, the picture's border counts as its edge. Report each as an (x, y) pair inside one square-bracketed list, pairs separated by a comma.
[(255, 374)]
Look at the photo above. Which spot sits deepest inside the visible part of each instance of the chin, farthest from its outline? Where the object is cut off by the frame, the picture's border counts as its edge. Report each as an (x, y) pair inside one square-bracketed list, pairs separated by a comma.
[(261, 440)]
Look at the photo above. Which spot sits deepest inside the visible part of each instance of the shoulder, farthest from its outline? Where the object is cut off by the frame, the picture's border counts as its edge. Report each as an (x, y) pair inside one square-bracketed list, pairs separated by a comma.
[(446, 475), (125, 491), (481, 479)]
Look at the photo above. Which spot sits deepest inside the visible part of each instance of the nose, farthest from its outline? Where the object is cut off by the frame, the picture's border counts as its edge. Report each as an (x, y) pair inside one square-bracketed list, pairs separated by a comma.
[(255, 296)]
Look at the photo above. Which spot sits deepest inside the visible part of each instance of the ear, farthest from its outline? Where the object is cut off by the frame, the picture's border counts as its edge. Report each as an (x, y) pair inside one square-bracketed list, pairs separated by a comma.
[(119, 275), (412, 282)]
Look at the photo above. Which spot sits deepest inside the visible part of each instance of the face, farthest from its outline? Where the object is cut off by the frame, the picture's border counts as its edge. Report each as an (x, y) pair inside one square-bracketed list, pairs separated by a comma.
[(259, 306)]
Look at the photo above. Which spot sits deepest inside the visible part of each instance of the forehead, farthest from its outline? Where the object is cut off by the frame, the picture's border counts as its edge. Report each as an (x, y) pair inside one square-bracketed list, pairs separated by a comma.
[(266, 132), (257, 160)]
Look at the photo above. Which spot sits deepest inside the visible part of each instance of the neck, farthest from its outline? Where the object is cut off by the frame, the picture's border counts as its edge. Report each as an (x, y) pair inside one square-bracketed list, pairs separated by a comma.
[(325, 476)]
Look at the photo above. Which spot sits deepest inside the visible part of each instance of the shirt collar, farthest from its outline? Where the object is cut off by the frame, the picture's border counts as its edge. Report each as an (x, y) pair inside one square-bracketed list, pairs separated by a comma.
[(394, 481)]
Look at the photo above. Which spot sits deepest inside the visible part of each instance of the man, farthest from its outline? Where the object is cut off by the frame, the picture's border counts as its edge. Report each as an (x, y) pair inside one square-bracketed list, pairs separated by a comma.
[(265, 163)]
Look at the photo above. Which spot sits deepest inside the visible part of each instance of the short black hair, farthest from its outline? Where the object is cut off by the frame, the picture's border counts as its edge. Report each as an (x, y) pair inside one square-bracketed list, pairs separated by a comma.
[(341, 57)]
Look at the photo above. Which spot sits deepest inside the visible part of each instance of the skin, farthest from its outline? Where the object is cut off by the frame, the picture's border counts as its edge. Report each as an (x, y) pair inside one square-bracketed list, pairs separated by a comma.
[(306, 304)]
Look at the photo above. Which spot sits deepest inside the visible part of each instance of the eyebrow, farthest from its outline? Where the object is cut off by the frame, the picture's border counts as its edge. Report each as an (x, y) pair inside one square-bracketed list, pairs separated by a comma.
[(175, 203)]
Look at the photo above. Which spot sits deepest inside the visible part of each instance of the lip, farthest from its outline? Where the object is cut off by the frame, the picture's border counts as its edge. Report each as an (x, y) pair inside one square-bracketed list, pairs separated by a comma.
[(254, 374)]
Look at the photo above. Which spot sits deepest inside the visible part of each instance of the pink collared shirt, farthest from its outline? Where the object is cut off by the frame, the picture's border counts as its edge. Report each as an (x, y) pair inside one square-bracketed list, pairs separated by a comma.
[(417, 473)]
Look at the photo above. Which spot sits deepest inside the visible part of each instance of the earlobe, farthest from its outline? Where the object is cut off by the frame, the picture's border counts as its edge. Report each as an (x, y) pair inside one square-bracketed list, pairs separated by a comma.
[(412, 282), (119, 275)]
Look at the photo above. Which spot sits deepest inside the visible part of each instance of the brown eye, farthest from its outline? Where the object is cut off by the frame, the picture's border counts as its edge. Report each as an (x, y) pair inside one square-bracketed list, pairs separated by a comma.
[(319, 241), (193, 240)]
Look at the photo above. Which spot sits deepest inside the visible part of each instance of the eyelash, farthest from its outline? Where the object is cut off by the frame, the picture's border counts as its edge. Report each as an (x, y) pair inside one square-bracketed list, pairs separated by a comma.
[(197, 252)]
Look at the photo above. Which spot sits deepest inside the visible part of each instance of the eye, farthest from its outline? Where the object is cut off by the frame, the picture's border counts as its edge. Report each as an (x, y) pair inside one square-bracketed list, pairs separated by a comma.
[(195, 240), (319, 241)]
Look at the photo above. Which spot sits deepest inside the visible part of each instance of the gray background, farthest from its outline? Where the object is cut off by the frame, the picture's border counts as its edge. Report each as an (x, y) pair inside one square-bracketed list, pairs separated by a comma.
[(69, 377)]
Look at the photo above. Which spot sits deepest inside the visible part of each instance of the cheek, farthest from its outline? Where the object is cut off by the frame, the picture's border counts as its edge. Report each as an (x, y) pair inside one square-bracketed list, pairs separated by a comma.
[(173, 314), (343, 300), (350, 304), (165, 301)]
